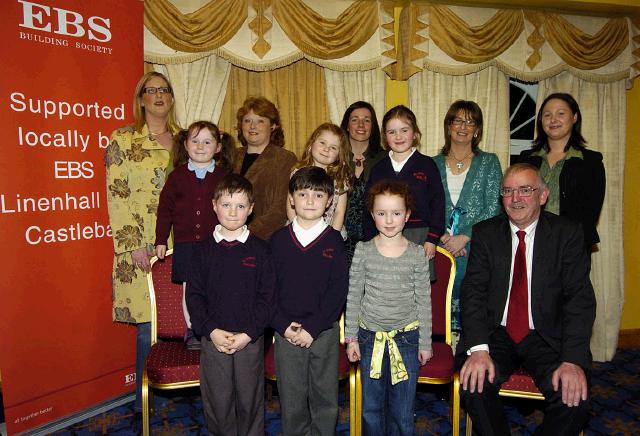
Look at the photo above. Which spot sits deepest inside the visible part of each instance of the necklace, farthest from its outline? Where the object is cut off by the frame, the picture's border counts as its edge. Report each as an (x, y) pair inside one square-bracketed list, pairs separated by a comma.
[(459, 162), (358, 161), (157, 134)]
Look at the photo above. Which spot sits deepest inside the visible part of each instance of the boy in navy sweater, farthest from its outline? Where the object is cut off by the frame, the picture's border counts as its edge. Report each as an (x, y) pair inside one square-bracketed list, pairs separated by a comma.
[(229, 296), (311, 288)]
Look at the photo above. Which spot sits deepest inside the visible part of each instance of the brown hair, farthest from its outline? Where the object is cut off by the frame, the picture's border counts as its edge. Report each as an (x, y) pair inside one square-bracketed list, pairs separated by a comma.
[(576, 140), (234, 184), (389, 187), (405, 114), (472, 111), (138, 109), (264, 108), (223, 158), (339, 171), (314, 178)]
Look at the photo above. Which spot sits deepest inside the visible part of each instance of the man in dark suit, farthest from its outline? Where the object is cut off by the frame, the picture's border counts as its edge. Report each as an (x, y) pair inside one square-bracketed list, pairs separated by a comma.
[(526, 300)]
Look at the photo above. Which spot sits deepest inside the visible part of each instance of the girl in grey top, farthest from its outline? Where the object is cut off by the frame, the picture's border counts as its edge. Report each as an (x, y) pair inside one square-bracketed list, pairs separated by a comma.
[(388, 319)]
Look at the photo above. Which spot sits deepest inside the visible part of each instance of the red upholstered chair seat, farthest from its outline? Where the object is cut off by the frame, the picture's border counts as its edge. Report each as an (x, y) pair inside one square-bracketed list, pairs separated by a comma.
[(343, 363), (171, 362), (520, 381), (270, 362), (441, 364)]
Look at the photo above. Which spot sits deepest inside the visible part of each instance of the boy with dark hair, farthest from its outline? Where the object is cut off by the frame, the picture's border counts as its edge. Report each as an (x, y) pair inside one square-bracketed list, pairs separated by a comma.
[(312, 281), (230, 292)]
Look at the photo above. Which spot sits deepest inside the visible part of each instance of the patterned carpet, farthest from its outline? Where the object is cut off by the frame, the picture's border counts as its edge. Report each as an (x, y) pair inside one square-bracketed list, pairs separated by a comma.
[(615, 409)]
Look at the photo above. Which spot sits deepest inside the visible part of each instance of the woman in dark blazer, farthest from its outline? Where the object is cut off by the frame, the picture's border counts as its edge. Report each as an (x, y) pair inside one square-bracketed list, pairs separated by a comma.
[(575, 175)]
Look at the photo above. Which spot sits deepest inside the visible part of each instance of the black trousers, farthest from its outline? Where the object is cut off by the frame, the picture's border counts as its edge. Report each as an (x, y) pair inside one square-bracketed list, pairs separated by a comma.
[(539, 360)]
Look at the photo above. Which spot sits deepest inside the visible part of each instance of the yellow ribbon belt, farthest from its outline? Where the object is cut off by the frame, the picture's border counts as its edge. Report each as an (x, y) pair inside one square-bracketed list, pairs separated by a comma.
[(396, 365)]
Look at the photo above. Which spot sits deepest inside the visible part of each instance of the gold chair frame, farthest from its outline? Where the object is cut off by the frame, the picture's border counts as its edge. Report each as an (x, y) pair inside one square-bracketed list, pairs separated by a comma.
[(147, 394)]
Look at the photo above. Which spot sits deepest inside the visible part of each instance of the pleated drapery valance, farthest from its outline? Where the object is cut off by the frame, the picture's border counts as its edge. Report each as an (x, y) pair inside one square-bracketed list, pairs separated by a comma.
[(528, 45), (263, 35)]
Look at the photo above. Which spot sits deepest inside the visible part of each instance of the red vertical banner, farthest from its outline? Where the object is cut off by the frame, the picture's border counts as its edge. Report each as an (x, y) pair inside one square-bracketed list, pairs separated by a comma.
[(69, 68)]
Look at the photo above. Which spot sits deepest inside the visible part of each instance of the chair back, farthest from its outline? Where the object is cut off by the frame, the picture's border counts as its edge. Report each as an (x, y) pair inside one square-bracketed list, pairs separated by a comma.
[(167, 317), (441, 290)]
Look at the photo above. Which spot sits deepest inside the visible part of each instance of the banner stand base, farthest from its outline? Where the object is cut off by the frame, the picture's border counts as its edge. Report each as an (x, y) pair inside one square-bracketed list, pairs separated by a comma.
[(78, 417)]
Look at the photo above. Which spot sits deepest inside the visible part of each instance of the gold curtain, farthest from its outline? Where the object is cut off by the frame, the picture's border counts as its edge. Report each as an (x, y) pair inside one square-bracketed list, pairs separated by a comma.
[(545, 47), (206, 29), (408, 38), (474, 44), (298, 91), (584, 51), (215, 23), (326, 38)]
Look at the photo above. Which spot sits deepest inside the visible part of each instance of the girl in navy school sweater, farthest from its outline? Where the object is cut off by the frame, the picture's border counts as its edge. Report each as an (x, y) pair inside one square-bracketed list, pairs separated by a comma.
[(400, 134)]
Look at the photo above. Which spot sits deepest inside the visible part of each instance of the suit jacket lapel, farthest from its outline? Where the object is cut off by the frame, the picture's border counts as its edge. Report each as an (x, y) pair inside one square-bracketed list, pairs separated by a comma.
[(503, 263), (540, 247)]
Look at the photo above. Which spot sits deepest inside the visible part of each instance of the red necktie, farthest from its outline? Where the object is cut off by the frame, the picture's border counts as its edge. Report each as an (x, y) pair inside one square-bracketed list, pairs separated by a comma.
[(518, 314)]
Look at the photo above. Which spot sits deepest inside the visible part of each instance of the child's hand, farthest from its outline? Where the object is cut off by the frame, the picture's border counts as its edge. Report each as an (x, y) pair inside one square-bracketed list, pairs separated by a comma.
[(222, 340), (353, 351), (429, 250), (240, 340), (302, 339), (292, 330), (161, 250), (424, 356)]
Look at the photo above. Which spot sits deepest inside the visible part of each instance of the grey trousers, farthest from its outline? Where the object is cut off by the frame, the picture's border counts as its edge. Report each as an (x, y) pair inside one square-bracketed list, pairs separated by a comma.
[(308, 385), (232, 388)]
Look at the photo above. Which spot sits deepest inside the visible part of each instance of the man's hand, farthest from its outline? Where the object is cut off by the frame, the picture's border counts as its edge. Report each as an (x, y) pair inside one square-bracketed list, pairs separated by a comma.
[(475, 369), (571, 379)]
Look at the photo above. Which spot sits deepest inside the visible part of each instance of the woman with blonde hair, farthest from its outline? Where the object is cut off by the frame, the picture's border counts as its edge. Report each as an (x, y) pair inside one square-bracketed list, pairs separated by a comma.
[(137, 161)]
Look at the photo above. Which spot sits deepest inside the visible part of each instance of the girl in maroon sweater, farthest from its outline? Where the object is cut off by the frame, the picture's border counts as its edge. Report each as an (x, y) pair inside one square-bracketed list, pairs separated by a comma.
[(202, 157)]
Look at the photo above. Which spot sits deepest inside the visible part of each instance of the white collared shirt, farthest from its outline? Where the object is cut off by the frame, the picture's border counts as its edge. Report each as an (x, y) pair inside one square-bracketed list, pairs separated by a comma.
[(530, 231), (307, 236), (218, 236), (397, 166)]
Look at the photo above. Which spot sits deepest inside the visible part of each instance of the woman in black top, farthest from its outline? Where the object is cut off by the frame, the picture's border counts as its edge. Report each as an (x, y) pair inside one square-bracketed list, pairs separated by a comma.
[(575, 175)]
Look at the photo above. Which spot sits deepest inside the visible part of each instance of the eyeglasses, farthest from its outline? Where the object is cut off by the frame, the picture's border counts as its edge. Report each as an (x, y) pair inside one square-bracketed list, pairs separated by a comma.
[(161, 90), (459, 122), (523, 191)]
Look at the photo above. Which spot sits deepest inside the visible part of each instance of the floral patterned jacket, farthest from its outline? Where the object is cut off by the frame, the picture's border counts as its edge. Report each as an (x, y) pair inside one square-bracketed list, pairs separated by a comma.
[(136, 172)]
